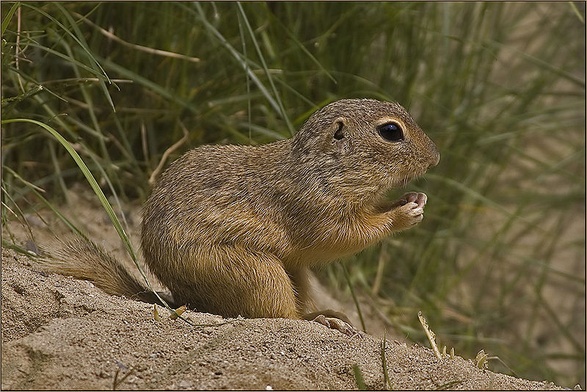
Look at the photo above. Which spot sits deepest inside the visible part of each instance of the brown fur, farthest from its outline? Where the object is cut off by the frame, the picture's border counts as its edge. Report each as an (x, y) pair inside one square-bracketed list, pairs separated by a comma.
[(233, 230)]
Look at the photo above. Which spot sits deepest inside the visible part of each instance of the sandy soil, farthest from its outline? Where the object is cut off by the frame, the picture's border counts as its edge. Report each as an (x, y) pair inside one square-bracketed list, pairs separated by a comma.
[(63, 333)]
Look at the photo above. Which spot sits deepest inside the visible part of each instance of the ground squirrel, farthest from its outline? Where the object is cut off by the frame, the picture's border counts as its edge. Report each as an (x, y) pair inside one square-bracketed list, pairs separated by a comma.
[(233, 230)]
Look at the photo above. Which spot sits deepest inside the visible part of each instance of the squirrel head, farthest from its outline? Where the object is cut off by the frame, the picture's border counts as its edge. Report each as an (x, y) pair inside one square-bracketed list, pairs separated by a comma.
[(362, 146)]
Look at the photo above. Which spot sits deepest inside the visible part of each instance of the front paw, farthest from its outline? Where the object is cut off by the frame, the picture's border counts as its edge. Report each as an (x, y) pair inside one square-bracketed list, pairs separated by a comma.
[(409, 210)]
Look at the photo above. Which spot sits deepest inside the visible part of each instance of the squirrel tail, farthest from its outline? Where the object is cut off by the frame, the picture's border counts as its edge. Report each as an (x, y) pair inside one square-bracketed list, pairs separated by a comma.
[(83, 259)]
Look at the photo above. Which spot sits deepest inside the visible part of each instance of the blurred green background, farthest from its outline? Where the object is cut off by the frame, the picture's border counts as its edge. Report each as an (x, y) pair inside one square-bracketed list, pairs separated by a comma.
[(499, 261)]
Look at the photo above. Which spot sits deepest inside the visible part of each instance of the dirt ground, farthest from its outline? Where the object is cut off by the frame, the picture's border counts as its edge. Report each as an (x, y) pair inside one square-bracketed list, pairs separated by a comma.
[(63, 333)]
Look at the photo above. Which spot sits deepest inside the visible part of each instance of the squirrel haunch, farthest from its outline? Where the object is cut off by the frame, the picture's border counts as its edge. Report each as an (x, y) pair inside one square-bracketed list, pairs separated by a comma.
[(233, 230)]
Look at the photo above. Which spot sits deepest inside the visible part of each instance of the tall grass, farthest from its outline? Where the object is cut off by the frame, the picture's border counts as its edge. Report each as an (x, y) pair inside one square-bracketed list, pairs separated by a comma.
[(499, 261)]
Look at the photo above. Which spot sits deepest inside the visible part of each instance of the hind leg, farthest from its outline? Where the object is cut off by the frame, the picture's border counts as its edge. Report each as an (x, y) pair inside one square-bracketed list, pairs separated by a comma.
[(232, 281), (329, 318)]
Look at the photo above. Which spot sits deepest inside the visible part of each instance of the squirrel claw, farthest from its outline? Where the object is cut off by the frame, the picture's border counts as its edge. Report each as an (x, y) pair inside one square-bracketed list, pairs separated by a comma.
[(338, 324), (414, 197)]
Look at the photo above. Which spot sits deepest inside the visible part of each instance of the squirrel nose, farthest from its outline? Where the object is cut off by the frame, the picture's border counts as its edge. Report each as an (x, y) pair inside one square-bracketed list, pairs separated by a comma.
[(434, 154), (435, 158)]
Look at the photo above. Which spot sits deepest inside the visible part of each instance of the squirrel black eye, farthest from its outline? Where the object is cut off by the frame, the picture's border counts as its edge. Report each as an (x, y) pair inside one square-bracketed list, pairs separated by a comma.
[(391, 132)]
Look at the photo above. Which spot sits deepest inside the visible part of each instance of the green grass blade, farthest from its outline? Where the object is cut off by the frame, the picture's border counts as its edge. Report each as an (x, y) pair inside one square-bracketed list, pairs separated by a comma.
[(89, 177)]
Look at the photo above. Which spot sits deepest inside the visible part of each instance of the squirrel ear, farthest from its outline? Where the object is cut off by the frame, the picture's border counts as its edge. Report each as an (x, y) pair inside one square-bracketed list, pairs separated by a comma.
[(340, 138), (339, 134), (340, 131)]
